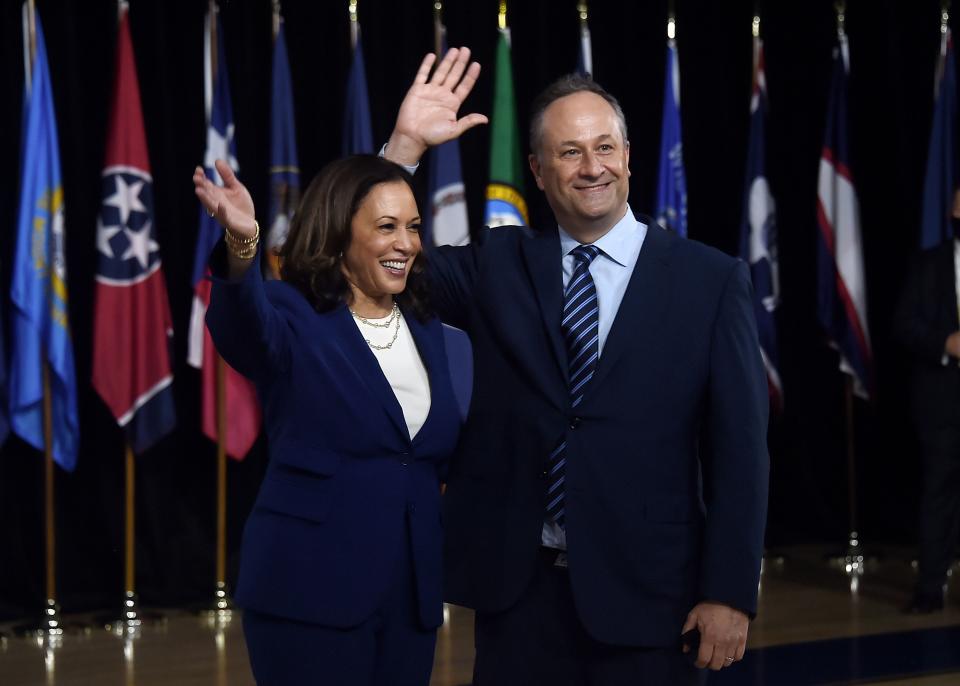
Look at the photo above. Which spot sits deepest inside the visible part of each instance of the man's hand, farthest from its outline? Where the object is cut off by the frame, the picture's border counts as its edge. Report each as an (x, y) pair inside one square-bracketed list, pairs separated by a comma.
[(952, 346), (428, 113), (723, 634)]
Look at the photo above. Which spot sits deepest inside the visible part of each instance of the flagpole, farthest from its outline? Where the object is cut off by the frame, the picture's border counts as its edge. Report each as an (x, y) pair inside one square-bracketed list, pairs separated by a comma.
[(50, 626), (438, 29), (853, 562), (222, 610)]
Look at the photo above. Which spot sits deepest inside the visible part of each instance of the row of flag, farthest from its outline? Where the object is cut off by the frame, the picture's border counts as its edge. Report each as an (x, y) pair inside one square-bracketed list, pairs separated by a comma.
[(132, 367)]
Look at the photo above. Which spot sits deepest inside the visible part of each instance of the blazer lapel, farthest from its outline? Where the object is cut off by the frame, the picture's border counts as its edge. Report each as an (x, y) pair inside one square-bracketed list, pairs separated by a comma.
[(431, 356), (643, 302), (358, 352), (542, 254)]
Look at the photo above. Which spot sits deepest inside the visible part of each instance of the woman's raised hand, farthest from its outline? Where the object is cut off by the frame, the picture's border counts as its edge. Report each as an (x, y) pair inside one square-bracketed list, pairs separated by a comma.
[(230, 204), (428, 113)]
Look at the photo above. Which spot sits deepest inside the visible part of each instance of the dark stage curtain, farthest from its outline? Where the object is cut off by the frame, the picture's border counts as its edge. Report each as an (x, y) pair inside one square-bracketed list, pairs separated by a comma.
[(893, 52)]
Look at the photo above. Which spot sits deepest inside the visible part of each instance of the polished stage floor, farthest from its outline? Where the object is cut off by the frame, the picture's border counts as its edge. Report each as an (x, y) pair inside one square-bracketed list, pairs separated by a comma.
[(812, 629)]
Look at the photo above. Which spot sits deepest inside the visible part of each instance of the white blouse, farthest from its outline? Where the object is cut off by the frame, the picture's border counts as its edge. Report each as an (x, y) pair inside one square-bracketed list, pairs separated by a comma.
[(402, 366)]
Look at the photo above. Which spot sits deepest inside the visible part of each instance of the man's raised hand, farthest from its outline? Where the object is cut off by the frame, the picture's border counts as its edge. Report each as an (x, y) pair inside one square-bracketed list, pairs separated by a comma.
[(428, 113)]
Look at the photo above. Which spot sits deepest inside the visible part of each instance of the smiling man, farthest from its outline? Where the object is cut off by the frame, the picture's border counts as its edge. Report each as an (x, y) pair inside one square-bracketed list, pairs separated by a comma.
[(587, 522)]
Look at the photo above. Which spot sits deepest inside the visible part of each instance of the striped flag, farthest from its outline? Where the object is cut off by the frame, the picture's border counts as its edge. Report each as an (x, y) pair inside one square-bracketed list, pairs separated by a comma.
[(132, 326), (40, 324), (941, 174), (672, 180), (505, 203), (242, 410), (841, 284), (758, 231), (284, 169)]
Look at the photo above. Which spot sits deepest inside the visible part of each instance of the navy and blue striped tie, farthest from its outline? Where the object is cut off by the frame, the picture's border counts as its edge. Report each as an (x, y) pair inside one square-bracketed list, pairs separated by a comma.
[(580, 326)]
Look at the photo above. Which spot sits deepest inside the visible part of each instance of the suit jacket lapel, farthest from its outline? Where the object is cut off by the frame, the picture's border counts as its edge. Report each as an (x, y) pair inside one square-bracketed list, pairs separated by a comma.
[(357, 351), (643, 303), (543, 258)]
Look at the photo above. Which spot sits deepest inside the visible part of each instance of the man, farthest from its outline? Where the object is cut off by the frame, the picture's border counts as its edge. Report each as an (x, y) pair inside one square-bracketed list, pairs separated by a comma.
[(927, 325), (587, 524)]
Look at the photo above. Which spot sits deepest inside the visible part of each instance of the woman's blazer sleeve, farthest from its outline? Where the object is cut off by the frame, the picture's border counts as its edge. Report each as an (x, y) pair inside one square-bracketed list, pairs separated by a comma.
[(247, 329)]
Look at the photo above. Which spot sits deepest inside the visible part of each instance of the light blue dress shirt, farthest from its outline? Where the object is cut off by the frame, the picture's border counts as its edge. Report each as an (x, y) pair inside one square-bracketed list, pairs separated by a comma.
[(611, 272)]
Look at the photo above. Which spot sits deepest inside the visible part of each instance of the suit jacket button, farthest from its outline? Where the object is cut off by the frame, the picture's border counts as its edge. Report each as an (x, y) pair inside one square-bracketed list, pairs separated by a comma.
[(411, 508), (574, 422), (543, 474)]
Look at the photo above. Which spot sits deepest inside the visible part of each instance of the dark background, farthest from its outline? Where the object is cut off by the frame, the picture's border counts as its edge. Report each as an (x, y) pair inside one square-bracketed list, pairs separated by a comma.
[(893, 52)]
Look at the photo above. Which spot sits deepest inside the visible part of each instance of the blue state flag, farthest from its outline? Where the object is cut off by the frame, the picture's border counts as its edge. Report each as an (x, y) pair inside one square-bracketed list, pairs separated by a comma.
[(941, 173), (672, 180), (758, 231), (284, 169), (585, 55), (446, 221), (38, 291), (357, 130)]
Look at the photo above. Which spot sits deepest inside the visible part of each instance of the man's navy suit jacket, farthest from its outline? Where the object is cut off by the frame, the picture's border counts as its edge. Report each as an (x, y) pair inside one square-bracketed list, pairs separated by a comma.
[(926, 315), (679, 392), (344, 477)]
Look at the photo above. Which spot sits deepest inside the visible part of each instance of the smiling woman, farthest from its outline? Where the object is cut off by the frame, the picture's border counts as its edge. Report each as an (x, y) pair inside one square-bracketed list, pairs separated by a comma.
[(338, 579), (358, 213)]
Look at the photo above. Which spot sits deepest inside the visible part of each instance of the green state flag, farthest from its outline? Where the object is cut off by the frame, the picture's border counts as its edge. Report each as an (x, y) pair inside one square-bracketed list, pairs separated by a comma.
[(505, 203)]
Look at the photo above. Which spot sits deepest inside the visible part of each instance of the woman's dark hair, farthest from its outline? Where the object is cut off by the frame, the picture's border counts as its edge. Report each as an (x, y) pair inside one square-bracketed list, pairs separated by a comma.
[(320, 233)]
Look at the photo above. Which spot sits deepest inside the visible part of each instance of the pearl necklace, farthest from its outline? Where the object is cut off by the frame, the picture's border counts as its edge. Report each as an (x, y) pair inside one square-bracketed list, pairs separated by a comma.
[(394, 319)]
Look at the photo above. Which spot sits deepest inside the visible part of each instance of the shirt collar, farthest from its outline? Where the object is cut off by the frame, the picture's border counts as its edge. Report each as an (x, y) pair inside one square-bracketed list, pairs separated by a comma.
[(615, 243)]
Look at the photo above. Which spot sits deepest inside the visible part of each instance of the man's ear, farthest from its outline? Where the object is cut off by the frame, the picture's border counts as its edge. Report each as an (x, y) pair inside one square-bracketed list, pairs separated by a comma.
[(626, 150), (534, 162)]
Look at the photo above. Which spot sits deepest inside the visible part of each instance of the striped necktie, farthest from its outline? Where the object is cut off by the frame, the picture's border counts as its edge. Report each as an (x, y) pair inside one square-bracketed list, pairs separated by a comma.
[(580, 326)]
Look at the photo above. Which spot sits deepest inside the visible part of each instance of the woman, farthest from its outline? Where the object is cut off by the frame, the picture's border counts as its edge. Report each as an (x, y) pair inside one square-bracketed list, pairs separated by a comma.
[(340, 569)]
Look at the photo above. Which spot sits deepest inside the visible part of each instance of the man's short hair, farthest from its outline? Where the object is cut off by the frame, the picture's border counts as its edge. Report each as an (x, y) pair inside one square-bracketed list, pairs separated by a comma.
[(561, 88)]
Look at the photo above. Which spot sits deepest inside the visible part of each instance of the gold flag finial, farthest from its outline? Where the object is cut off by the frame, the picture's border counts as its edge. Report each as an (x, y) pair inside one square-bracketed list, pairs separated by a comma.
[(671, 27), (756, 26), (354, 24), (944, 16), (582, 11), (841, 7), (502, 17)]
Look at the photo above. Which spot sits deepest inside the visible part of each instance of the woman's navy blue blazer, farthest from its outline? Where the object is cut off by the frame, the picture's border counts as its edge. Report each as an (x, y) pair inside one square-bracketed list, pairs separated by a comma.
[(344, 477)]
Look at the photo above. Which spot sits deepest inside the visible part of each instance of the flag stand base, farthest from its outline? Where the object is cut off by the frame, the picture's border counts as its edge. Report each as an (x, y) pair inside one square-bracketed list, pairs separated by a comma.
[(853, 561), (131, 618), (49, 629), (220, 613)]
